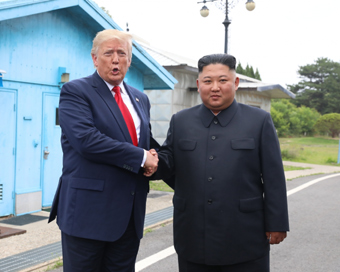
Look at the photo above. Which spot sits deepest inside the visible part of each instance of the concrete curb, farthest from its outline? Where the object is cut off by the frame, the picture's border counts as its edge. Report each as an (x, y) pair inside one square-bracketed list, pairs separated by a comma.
[(43, 266)]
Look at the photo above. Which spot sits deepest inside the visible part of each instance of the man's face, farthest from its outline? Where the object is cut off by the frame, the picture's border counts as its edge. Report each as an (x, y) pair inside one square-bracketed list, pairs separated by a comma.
[(217, 86), (112, 61)]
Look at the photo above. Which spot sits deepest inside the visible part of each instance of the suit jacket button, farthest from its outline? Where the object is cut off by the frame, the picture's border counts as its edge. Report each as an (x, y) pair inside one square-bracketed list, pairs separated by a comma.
[(210, 178), (213, 137), (210, 201), (211, 157), (132, 193)]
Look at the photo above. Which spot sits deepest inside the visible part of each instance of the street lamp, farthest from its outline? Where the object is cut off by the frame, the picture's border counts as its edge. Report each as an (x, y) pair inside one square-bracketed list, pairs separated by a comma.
[(250, 5)]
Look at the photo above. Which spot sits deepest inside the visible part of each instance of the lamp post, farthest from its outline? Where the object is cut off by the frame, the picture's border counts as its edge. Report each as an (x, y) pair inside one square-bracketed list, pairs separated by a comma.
[(250, 5)]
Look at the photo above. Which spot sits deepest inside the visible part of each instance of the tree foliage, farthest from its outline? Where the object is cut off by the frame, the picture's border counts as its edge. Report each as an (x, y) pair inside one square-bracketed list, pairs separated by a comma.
[(319, 87), (291, 120), (329, 123), (257, 75), (106, 11), (248, 71)]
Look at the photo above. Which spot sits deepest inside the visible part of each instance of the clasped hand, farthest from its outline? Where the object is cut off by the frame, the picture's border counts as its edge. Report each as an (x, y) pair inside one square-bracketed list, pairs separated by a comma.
[(151, 163)]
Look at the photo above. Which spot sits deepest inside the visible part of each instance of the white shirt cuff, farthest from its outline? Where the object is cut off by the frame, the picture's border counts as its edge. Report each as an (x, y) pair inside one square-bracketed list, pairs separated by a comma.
[(144, 158)]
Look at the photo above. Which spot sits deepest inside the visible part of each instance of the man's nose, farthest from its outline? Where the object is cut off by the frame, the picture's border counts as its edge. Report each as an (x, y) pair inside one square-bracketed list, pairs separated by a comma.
[(215, 86), (115, 58)]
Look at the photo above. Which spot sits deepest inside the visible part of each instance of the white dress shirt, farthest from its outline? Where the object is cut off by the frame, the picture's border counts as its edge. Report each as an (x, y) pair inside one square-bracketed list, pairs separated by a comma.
[(133, 112)]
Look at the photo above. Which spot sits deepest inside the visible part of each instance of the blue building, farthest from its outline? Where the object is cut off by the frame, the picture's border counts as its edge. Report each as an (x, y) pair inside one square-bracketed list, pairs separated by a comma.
[(43, 44)]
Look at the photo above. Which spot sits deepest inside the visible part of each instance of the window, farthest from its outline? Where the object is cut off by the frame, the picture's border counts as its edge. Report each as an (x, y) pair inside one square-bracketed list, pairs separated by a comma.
[(57, 117)]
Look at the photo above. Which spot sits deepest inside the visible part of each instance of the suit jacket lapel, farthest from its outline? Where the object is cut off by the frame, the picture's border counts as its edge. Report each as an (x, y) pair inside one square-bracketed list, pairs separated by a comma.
[(102, 89), (137, 104)]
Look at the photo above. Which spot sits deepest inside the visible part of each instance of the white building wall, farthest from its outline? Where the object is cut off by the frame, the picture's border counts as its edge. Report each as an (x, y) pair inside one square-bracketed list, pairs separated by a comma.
[(253, 98), (165, 103)]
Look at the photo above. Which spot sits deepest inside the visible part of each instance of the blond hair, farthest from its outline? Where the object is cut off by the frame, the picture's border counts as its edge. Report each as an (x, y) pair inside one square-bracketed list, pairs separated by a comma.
[(111, 34)]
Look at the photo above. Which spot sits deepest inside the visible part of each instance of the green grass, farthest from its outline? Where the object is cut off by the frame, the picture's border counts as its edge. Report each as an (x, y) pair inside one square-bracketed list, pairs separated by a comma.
[(291, 168), (147, 231), (56, 265), (312, 150), (160, 185)]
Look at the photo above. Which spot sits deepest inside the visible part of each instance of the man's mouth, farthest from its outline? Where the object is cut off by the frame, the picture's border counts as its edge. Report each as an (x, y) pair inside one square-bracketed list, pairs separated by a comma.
[(115, 71)]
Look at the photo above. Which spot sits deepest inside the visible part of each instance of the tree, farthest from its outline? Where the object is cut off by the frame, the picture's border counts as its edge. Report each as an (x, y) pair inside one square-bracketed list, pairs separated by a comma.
[(239, 69), (248, 71), (329, 123), (280, 114), (289, 119), (319, 87), (308, 117), (257, 75), (280, 123)]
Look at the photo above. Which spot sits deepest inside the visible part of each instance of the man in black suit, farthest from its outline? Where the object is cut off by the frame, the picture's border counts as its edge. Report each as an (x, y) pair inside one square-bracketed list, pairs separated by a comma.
[(101, 196), (223, 160)]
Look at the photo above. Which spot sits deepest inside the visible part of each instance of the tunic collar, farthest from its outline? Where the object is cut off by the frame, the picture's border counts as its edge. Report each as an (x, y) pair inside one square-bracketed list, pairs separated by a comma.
[(223, 118)]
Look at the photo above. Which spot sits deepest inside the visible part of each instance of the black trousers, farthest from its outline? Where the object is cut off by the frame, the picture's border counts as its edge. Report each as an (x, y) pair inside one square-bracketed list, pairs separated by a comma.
[(259, 265), (86, 255)]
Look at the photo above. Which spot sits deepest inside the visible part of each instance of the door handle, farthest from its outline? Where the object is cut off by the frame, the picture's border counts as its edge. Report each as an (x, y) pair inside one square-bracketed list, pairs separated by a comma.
[(46, 153)]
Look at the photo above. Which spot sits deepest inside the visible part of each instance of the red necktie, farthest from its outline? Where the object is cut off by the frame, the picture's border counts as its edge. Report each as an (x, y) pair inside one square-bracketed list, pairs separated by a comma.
[(126, 114)]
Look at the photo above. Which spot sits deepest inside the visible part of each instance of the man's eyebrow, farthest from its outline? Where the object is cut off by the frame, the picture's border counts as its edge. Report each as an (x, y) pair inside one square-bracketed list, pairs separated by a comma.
[(218, 76), (112, 49)]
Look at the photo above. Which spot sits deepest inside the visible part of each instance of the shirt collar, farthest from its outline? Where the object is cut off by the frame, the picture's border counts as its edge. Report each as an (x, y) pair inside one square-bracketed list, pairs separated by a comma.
[(223, 117)]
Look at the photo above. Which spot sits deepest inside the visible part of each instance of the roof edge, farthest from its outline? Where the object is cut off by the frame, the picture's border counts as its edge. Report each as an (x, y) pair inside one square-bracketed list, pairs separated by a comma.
[(275, 86)]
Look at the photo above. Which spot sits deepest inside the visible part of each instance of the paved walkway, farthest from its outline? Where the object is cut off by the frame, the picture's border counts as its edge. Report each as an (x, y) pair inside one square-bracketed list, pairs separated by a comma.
[(41, 234), (313, 169)]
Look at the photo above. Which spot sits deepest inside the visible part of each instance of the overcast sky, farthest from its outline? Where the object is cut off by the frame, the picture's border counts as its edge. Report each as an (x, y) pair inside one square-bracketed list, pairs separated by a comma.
[(277, 37)]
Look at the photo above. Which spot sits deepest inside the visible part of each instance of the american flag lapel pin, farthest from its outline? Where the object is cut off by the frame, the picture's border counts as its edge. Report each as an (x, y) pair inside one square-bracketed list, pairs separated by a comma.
[(137, 99)]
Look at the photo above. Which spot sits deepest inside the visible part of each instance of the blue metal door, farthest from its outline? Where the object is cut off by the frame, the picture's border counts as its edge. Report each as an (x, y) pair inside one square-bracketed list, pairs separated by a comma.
[(7, 150), (51, 148)]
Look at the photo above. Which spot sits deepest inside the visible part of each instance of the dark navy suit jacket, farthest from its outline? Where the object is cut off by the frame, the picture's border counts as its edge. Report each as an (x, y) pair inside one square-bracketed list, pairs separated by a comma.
[(102, 181), (229, 183)]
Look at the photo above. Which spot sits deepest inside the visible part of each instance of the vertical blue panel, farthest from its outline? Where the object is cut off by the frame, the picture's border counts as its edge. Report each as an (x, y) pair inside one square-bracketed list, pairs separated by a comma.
[(28, 138), (51, 149), (7, 151)]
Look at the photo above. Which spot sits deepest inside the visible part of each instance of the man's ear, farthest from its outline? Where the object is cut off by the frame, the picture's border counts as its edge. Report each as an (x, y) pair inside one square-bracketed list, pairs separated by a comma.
[(237, 82), (94, 59), (198, 85)]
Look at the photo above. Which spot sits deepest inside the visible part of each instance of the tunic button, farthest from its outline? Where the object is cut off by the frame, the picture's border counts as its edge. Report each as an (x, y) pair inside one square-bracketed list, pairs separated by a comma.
[(211, 157), (132, 193), (213, 137), (210, 179), (209, 201), (215, 122)]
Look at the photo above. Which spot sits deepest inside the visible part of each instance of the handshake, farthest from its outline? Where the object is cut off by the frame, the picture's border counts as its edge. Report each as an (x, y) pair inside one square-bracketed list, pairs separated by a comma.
[(151, 163)]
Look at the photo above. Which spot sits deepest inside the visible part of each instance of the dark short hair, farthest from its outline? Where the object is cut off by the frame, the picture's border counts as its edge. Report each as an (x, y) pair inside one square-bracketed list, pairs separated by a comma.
[(224, 59)]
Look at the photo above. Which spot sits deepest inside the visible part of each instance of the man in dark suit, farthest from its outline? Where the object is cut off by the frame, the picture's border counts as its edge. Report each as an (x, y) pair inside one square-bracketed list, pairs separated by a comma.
[(223, 160), (101, 196)]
